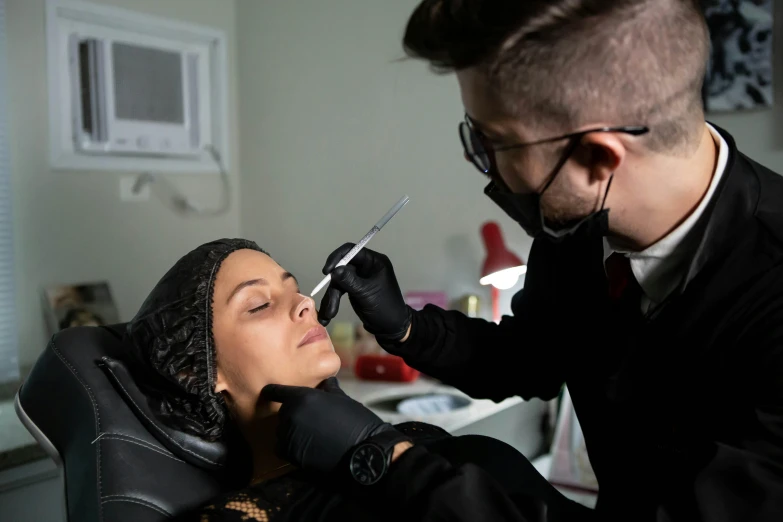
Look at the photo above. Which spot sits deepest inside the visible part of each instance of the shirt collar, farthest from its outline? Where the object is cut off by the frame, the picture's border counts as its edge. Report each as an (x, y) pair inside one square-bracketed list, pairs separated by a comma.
[(659, 268)]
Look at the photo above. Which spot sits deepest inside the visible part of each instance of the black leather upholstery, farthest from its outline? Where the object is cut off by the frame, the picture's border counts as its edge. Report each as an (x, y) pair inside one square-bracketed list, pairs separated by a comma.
[(118, 466), (208, 455)]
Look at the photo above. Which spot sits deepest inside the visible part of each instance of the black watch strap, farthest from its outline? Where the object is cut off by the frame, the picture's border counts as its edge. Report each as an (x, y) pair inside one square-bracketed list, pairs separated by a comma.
[(389, 438), (370, 459)]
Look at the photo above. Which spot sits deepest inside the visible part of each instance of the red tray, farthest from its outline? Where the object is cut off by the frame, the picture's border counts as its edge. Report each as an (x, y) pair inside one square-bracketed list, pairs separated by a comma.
[(384, 368)]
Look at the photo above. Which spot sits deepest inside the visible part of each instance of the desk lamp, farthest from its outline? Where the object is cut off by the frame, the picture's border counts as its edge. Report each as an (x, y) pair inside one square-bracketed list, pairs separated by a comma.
[(501, 267)]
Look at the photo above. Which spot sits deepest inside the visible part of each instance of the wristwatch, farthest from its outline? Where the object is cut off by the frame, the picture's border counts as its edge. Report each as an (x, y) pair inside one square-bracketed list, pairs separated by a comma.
[(371, 459)]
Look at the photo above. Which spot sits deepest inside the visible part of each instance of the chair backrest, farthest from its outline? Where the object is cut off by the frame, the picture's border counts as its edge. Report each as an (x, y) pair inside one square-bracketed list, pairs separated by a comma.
[(120, 464)]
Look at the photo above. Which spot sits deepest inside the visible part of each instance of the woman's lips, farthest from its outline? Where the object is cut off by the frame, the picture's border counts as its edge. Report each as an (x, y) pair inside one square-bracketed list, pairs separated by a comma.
[(313, 335)]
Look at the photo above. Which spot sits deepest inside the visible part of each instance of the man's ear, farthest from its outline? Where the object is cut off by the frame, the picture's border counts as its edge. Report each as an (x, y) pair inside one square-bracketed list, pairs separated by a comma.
[(602, 153)]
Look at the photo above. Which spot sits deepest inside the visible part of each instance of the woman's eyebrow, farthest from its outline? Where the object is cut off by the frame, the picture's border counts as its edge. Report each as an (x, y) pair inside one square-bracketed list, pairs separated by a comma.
[(241, 286), (288, 275), (260, 281)]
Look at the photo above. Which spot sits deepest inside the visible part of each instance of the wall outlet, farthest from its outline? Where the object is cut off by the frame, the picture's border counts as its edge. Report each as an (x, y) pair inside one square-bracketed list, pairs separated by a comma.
[(126, 189)]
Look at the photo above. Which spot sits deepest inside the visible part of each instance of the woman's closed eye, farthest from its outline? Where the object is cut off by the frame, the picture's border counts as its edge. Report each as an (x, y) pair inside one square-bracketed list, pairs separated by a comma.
[(259, 308)]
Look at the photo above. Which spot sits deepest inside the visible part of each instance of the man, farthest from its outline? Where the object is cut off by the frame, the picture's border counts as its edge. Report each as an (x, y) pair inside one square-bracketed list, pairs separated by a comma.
[(655, 282)]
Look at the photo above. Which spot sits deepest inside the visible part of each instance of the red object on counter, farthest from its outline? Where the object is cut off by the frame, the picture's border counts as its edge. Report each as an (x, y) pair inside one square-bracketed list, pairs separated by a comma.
[(384, 368)]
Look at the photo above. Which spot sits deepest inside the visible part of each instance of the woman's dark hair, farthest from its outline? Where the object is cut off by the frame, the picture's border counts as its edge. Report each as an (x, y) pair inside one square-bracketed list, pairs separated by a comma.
[(173, 347)]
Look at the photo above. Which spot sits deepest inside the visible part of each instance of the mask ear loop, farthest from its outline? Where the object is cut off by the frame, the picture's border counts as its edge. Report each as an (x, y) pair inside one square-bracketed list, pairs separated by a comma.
[(569, 151), (606, 194)]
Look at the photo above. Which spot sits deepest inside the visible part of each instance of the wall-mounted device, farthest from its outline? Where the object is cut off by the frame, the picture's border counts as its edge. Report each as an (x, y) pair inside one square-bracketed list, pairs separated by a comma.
[(134, 92), (134, 99)]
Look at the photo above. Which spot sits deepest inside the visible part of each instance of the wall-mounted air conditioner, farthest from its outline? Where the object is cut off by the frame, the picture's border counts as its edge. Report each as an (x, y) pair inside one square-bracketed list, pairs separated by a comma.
[(134, 92)]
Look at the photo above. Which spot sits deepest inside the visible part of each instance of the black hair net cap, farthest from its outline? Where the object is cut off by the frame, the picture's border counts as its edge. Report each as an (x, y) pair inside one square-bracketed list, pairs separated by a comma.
[(172, 342)]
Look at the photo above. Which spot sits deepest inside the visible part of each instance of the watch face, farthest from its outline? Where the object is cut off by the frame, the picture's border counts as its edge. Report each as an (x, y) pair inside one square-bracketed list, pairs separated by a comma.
[(368, 464)]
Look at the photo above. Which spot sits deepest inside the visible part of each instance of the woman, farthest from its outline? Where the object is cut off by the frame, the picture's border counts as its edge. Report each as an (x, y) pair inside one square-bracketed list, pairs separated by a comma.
[(223, 323)]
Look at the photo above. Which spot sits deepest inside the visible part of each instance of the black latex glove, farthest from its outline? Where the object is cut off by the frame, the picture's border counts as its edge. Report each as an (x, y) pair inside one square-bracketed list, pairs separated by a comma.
[(375, 295), (318, 426)]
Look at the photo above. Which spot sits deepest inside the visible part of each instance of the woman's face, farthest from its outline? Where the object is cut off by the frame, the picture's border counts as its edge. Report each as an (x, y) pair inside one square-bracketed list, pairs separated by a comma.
[(265, 332)]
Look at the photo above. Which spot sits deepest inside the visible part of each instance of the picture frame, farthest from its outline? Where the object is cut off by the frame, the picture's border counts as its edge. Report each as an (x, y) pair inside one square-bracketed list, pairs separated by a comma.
[(80, 304)]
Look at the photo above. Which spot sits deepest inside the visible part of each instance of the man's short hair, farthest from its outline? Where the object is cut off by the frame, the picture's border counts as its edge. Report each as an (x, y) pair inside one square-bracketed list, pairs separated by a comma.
[(562, 64)]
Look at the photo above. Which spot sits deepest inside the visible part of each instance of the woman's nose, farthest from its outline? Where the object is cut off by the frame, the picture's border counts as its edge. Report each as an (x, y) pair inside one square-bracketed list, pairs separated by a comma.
[(304, 307)]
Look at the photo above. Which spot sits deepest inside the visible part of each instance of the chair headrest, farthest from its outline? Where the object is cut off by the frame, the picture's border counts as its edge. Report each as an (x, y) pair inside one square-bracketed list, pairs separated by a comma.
[(192, 449)]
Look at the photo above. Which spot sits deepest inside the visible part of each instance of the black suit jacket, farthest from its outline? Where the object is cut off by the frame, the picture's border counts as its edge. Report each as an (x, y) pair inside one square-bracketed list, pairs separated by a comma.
[(682, 410)]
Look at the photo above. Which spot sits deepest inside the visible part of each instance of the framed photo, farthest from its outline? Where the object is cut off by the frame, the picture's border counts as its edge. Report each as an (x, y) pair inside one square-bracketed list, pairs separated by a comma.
[(86, 304), (739, 75)]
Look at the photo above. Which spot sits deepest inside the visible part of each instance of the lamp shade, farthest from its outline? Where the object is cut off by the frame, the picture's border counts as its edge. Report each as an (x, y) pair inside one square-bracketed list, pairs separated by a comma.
[(501, 267)]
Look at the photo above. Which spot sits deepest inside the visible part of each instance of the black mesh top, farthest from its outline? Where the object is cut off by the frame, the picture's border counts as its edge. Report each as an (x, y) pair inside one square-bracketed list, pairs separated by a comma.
[(296, 496)]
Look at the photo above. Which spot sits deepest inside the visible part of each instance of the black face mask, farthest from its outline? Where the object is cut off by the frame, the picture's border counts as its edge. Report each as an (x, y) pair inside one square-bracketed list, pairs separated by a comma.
[(525, 209)]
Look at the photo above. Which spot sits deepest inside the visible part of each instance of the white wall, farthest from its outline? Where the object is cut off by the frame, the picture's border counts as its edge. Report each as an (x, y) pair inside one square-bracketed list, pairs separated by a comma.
[(334, 130), (71, 226)]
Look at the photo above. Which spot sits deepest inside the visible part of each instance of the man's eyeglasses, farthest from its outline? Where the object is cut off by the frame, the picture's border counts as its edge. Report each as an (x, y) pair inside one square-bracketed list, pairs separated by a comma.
[(483, 156)]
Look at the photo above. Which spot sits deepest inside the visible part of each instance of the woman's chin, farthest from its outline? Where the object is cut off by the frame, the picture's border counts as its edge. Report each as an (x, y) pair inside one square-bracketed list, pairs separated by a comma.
[(328, 364)]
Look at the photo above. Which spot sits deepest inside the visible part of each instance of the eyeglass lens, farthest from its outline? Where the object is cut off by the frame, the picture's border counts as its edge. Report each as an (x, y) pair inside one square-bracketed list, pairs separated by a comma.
[(474, 149)]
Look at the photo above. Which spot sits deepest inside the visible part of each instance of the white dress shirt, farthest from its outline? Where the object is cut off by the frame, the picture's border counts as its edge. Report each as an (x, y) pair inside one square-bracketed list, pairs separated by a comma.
[(660, 268)]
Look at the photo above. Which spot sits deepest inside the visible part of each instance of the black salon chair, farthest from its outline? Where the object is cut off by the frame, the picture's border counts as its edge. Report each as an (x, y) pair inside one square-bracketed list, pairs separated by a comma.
[(83, 407)]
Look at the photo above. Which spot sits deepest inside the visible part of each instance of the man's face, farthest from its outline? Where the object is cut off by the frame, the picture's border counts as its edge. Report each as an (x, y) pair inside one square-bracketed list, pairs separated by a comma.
[(571, 196)]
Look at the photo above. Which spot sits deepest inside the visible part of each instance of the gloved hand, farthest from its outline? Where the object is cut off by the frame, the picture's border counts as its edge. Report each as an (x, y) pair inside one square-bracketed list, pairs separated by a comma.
[(375, 295), (318, 426)]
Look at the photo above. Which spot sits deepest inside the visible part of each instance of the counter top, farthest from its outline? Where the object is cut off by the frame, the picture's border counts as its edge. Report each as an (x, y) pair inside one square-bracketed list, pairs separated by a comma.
[(8, 390), (377, 396), (21, 455), (17, 446)]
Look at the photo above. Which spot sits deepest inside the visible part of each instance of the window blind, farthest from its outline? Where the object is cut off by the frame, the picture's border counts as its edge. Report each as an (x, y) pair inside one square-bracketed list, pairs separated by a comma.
[(9, 354)]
